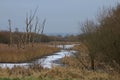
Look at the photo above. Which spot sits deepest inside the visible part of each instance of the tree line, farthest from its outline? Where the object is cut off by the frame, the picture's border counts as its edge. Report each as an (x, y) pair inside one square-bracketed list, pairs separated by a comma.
[(17, 35)]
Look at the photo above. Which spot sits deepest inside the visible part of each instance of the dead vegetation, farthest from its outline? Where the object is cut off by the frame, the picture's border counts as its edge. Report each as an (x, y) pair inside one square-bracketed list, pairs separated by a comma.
[(74, 69), (88, 64), (13, 54)]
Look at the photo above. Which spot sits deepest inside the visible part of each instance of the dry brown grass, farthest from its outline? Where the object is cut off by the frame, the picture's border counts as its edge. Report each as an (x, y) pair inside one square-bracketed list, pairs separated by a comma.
[(59, 73), (13, 54), (73, 70)]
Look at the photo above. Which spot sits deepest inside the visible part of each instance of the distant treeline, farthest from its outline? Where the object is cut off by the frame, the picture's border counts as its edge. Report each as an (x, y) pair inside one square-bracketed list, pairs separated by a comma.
[(16, 36)]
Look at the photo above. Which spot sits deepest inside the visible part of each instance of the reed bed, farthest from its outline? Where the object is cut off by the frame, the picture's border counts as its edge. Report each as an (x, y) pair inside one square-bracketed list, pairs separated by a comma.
[(12, 54)]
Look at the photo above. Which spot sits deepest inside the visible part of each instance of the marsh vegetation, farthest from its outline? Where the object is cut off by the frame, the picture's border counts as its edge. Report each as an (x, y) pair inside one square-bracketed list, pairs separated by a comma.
[(97, 57)]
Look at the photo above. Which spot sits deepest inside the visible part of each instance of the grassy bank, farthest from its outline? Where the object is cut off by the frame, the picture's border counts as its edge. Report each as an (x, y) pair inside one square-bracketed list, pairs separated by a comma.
[(12, 54)]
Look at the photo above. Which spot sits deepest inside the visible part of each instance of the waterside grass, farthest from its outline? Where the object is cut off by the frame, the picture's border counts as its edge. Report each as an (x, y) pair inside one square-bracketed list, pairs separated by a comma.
[(56, 73), (14, 55)]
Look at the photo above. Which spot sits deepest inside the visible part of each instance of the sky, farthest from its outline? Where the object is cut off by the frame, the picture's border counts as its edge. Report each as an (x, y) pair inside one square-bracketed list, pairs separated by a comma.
[(62, 16)]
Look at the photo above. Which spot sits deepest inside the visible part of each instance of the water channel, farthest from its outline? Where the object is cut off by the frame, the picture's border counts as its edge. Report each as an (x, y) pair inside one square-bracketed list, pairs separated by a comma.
[(47, 61)]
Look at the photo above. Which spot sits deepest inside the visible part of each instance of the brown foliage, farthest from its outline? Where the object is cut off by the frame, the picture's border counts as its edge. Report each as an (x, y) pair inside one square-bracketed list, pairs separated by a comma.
[(103, 40)]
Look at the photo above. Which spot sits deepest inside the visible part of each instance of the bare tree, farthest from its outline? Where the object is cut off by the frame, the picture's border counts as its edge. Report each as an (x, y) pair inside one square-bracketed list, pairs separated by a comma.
[(29, 21), (10, 30), (42, 29), (35, 31), (43, 26), (30, 33)]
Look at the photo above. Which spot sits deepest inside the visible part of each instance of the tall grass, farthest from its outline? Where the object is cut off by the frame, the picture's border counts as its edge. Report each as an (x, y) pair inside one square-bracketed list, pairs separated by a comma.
[(22, 55)]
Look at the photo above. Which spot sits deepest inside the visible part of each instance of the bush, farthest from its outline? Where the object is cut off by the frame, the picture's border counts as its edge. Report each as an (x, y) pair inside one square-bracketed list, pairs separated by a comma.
[(103, 40)]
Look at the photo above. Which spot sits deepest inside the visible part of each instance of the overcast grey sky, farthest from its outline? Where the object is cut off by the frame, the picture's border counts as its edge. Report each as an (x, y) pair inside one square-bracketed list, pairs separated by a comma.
[(62, 15)]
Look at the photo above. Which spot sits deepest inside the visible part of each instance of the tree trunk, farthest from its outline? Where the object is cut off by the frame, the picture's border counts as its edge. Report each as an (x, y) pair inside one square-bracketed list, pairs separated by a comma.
[(92, 63)]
